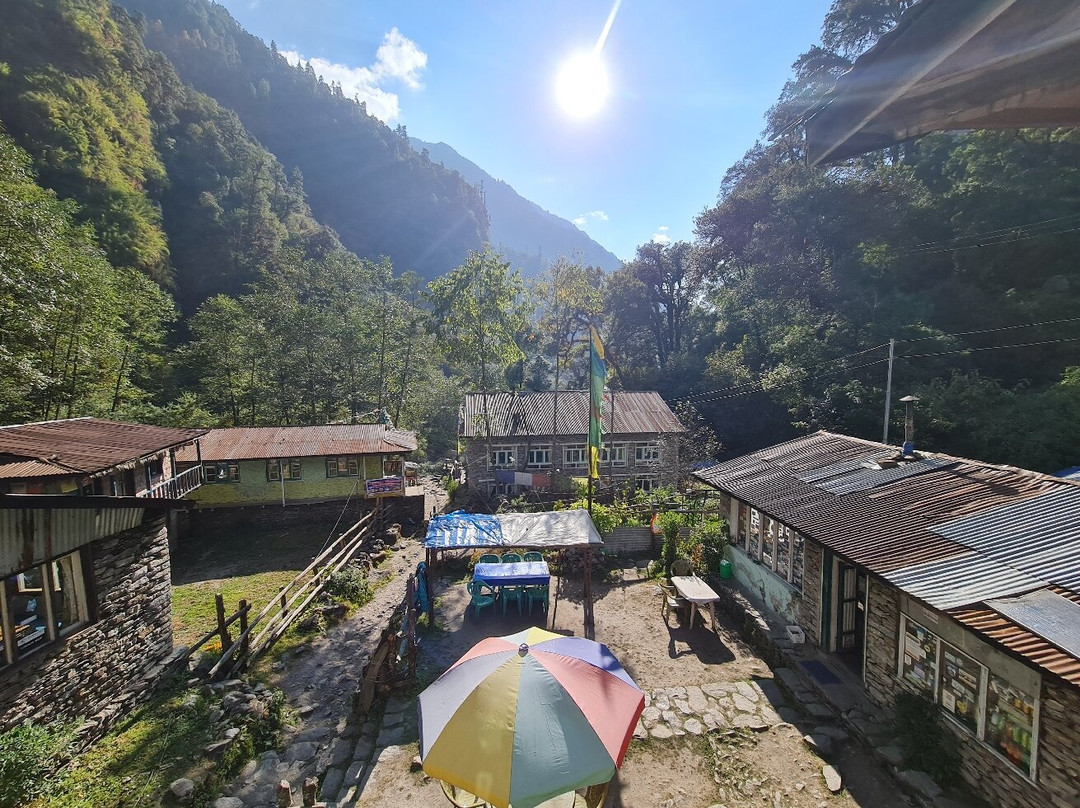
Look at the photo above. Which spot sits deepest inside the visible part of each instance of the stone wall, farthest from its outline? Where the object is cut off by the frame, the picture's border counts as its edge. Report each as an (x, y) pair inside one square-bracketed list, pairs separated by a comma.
[(630, 541), (104, 669), (810, 607), (882, 633)]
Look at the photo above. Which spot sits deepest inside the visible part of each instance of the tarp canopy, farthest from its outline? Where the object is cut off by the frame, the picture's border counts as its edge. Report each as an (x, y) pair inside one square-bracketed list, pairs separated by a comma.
[(460, 530)]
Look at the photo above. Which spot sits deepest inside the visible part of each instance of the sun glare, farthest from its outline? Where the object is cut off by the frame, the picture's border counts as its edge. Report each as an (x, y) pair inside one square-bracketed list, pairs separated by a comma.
[(582, 85)]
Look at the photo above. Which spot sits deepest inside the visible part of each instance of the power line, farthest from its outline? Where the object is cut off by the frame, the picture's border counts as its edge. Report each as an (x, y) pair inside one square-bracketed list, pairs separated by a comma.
[(989, 348), (760, 386), (992, 242), (993, 233), (993, 330)]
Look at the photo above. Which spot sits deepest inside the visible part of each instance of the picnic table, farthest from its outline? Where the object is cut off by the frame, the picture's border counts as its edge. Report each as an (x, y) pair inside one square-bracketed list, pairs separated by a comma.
[(697, 593), (514, 573)]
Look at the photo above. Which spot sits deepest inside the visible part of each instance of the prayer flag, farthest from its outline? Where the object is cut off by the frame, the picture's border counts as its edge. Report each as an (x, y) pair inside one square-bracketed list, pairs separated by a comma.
[(597, 379)]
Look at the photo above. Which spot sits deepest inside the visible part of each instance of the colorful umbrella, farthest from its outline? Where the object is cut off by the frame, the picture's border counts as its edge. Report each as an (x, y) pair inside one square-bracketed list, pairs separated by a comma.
[(523, 718)]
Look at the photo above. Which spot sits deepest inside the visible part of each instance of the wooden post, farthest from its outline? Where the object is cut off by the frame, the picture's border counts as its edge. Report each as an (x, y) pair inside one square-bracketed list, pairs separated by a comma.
[(245, 645), (586, 595), (223, 631), (284, 603)]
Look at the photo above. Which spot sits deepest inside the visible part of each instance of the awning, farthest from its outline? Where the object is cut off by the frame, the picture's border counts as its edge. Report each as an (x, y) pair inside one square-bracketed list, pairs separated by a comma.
[(548, 530), (955, 64)]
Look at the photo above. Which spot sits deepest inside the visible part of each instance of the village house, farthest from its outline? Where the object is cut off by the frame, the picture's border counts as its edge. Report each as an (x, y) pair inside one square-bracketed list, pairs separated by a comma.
[(291, 465), (513, 442), (951, 578), (85, 626)]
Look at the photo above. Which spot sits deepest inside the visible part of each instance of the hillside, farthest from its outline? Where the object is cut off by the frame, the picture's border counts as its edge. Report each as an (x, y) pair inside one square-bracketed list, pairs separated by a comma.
[(521, 230), (361, 178)]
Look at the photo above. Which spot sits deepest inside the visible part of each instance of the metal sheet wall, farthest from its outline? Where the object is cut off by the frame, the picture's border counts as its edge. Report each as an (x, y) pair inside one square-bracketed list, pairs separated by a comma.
[(29, 536)]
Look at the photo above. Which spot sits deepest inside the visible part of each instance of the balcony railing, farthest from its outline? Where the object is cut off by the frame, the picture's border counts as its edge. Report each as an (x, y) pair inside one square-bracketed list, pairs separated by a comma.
[(176, 487)]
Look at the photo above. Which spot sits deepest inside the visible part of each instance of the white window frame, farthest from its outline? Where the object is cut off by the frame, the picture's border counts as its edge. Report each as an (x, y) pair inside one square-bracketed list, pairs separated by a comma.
[(502, 457), (231, 469), (576, 456), (343, 466), (49, 586), (647, 454), (291, 468), (613, 455), (646, 482), (535, 452), (796, 557)]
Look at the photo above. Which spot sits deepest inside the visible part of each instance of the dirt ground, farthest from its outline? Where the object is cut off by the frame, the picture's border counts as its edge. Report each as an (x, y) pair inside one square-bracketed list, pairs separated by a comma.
[(771, 768)]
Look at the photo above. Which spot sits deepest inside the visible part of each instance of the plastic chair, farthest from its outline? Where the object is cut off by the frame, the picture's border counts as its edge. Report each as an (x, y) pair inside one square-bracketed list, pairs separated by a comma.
[(671, 602), (593, 797), (460, 797), (682, 566), (533, 555), (481, 595), (488, 558), (537, 594), (510, 558)]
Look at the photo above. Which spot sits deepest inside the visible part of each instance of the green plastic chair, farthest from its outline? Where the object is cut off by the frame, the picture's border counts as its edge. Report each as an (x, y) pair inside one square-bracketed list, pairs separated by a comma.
[(488, 558), (481, 595), (536, 594), (510, 558), (533, 555)]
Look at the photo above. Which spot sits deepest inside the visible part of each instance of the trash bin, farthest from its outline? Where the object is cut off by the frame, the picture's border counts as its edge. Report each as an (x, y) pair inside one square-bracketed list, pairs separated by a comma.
[(725, 568)]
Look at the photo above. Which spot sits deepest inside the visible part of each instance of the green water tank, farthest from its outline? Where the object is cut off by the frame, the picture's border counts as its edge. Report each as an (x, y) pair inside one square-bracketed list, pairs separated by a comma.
[(725, 568)]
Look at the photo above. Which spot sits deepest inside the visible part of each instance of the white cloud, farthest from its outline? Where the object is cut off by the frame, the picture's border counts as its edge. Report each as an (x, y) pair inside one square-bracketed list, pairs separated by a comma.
[(397, 59), (661, 235), (591, 216)]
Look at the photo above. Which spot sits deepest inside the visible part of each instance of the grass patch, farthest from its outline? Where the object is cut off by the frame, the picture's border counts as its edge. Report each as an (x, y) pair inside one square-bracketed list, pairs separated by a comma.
[(193, 612)]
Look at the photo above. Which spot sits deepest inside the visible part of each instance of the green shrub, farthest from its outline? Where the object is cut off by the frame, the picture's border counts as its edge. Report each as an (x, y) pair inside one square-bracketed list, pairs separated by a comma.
[(670, 522), (707, 541), (926, 744), (351, 583), (28, 754)]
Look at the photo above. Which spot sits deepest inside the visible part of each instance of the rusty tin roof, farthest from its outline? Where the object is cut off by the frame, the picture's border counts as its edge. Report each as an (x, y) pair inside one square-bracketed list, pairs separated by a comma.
[(83, 445), (259, 442), (532, 414)]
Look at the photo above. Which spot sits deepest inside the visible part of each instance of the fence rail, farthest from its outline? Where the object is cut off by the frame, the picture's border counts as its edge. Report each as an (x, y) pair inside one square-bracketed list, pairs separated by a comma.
[(177, 486), (274, 619)]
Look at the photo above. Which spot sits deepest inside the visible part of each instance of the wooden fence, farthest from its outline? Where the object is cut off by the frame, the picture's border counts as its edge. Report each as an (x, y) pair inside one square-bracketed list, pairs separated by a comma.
[(276, 616), (394, 662)]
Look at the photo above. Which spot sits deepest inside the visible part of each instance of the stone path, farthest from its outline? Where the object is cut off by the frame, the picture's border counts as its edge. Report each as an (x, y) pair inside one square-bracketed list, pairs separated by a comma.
[(695, 710)]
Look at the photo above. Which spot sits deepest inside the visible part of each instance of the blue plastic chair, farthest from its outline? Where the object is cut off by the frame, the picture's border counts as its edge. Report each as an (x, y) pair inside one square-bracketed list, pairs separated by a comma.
[(533, 555), (481, 596), (536, 594), (510, 558), (488, 558)]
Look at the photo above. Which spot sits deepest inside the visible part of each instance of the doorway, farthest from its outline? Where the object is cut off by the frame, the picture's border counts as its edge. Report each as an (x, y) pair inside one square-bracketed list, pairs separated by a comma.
[(844, 607)]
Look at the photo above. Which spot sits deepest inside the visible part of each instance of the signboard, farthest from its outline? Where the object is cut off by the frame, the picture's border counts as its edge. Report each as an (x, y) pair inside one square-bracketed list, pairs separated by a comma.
[(384, 486)]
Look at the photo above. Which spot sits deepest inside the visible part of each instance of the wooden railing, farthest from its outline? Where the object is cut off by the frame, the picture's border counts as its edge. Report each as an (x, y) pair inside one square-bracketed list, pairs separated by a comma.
[(277, 615), (177, 486)]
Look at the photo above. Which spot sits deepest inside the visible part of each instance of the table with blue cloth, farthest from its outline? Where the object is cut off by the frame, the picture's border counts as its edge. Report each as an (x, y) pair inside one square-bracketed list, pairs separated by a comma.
[(515, 573)]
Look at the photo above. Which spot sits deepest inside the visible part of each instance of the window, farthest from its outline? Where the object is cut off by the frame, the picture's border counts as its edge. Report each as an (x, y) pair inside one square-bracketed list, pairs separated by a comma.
[(393, 466), (288, 468), (647, 453), (343, 466), (502, 457), (774, 545), (41, 604), (539, 456), (575, 456), (979, 701), (646, 483), (614, 455), (221, 472)]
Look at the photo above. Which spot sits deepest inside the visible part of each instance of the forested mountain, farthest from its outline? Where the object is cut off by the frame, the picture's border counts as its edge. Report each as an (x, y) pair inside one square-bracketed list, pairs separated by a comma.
[(361, 178), (521, 230)]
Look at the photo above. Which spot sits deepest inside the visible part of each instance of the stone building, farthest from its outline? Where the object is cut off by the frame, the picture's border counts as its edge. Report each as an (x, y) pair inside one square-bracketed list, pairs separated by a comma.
[(951, 578), (85, 626), (515, 442)]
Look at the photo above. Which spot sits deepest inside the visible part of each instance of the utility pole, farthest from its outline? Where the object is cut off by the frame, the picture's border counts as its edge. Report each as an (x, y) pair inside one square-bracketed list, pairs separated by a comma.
[(888, 390)]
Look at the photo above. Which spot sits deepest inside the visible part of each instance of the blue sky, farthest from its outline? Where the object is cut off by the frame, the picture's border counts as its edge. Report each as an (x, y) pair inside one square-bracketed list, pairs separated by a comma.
[(690, 82)]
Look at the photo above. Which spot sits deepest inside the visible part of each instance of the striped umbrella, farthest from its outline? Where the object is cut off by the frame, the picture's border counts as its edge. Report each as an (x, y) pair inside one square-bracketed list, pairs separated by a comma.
[(526, 717)]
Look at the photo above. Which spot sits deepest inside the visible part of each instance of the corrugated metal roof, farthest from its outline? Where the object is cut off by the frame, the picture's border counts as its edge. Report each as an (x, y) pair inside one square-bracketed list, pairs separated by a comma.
[(864, 479), (21, 469), (29, 536), (1046, 613), (259, 442), (1022, 642), (1039, 536), (963, 580), (883, 529), (89, 445), (532, 414)]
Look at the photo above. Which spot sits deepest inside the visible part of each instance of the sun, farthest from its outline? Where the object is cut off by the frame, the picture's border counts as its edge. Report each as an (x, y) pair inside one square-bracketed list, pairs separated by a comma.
[(582, 85)]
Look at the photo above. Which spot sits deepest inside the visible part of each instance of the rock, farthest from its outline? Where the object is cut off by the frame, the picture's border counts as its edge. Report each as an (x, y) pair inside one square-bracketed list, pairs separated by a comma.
[(640, 732), (891, 755), (231, 733), (309, 791), (313, 734), (416, 764), (332, 783), (306, 710), (284, 794), (216, 749), (750, 722), (743, 704), (392, 719), (228, 802), (695, 697), (182, 790), (363, 750), (748, 691), (693, 726), (921, 782), (817, 710), (833, 781), (661, 731), (304, 750), (821, 744), (354, 774)]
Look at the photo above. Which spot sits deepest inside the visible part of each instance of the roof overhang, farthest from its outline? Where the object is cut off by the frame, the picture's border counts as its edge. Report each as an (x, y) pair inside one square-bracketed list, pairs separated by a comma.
[(950, 65)]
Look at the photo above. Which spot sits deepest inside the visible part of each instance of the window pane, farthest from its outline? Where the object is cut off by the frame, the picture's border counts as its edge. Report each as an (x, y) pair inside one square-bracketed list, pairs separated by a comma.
[(783, 551), (755, 533), (1010, 722), (797, 559), (67, 607), (744, 522), (767, 528), (961, 678), (919, 656), (27, 607)]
